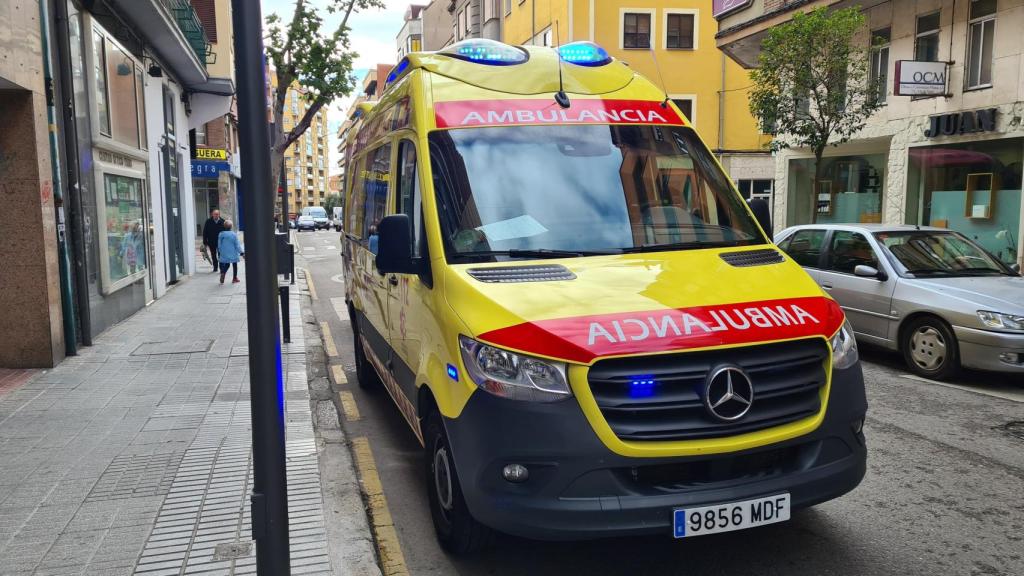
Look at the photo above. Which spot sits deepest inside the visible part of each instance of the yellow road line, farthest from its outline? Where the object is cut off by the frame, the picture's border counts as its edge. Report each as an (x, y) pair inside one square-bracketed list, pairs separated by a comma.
[(329, 346), (348, 405), (309, 284), (338, 375), (391, 558)]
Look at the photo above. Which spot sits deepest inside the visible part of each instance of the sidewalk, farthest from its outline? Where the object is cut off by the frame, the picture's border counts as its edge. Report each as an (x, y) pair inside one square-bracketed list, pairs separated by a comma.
[(135, 458)]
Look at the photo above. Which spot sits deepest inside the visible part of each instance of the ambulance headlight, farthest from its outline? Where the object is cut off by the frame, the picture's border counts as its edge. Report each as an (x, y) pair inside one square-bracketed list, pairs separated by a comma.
[(514, 376), (844, 347)]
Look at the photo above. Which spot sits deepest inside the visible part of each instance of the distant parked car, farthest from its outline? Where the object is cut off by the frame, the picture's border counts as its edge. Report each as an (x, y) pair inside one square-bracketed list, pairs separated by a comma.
[(305, 222), (930, 293), (337, 218)]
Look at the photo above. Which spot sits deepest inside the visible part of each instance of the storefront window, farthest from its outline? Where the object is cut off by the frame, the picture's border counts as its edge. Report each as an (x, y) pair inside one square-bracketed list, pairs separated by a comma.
[(102, 104), (972, 188), (126, 240), (124, 104), (850, 190)]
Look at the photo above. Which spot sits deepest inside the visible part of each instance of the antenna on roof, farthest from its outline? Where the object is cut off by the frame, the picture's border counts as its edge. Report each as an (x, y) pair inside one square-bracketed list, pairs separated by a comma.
[(661, 79), (560, 97)]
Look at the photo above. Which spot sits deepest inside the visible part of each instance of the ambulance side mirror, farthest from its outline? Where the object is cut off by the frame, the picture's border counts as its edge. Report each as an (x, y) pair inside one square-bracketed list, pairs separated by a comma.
[(763, 213), (394, 245)]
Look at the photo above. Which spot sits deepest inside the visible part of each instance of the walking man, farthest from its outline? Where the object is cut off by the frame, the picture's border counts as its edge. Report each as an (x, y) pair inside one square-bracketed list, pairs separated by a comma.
[(211, 231)]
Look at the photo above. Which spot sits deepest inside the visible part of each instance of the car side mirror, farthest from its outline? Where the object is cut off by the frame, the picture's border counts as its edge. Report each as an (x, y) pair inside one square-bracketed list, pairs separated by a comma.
[(394, 245), (763, 213), (865, 271), (1015, 268)]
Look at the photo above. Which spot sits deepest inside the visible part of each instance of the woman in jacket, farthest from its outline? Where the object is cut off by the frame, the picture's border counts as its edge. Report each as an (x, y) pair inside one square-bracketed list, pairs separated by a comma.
[(229, 250)]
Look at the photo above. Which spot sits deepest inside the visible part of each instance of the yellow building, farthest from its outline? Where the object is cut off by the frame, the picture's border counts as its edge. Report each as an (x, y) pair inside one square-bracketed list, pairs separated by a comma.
[(307, 161), (710, 88)]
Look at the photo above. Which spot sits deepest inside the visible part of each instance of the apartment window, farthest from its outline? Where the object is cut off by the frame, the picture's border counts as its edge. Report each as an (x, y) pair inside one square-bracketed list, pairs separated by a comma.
[(636, 30), (686, 105), (201, 139), (755, 189), (508, 7), (462, 24), (490, 9), (680, 31), (100, 71), (981, 35), (880, 63), (926, 45)]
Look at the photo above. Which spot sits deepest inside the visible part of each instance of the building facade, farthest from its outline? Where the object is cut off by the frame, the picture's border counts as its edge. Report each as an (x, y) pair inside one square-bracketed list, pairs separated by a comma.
[(111, 225), (668, 41), (952, 159), (307, 160), (216, 167), (448, 21), (371, 91), (410, 37)]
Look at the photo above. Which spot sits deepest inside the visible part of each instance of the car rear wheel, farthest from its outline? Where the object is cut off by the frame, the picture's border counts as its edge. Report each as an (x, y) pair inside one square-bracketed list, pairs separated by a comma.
[(930, 348), (457, 531)]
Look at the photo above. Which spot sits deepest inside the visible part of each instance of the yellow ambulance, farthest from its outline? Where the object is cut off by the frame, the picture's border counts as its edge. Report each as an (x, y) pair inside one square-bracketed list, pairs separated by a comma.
[(585, 326)]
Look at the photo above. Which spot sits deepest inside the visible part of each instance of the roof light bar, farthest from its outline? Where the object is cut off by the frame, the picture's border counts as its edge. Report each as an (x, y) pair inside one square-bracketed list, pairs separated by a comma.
[(485, 51), (397, 71), (584, 54)]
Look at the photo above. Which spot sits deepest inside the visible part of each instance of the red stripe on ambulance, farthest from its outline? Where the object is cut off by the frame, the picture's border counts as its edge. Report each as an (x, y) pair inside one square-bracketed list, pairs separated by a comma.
[(584, 338), (467, 113)]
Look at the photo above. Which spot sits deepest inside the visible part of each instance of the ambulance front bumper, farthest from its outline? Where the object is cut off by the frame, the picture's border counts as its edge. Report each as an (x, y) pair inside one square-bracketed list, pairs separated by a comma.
[(578, 489)]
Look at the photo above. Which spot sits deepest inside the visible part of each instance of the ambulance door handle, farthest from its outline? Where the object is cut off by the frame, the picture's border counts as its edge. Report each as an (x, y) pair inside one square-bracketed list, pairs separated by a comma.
[(826, 285), (393, 280)]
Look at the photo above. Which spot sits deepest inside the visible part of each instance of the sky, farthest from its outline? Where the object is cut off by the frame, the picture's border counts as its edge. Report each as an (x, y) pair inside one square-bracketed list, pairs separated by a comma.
[(373, 38)]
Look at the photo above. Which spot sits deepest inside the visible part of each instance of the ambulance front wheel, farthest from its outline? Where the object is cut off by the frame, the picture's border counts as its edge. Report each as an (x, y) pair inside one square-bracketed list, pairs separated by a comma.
[(457, 531), (366, 374)]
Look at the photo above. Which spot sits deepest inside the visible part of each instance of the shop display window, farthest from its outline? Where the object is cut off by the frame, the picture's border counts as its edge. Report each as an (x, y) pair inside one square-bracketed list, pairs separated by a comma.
[(973, 188), (849, 191), (125, 230)]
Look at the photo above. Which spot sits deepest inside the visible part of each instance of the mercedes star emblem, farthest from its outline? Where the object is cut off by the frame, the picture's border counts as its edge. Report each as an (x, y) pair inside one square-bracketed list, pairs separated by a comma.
[(728, 394)]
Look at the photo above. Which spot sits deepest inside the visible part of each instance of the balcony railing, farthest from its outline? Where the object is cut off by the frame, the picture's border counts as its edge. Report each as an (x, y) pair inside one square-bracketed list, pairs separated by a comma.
[(191, 27)]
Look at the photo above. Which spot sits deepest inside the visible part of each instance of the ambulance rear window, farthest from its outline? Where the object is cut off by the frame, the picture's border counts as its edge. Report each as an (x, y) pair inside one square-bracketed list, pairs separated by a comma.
[(582, 188)]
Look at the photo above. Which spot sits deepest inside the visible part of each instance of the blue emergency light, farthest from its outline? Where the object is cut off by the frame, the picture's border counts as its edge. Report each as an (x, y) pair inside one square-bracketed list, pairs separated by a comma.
[(584, 54), (642, 386), (486, 51), (397, 71)]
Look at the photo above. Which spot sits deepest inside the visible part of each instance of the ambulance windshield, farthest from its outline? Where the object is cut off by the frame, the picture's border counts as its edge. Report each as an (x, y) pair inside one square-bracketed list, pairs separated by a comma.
[(523, 191)]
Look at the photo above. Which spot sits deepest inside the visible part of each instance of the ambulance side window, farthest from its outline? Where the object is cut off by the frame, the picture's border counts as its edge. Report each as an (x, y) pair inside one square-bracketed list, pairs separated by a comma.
[(376, 178), (356, 206), (408, 192)]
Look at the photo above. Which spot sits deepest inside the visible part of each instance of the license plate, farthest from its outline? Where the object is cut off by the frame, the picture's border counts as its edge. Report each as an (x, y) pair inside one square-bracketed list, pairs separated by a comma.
[(688, 522)]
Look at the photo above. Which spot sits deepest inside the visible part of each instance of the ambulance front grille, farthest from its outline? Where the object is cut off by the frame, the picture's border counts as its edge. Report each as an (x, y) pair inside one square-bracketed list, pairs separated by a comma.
[(786, 377)]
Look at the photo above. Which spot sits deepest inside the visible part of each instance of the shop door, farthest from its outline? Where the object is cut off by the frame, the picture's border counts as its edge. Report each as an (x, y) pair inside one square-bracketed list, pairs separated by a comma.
[(172, 163)]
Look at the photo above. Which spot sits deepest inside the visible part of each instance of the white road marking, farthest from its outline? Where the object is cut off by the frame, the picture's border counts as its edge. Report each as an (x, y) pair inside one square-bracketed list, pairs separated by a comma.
[(1011, 395), (332, 247), (309, 247), (338, 303), (339, 278)]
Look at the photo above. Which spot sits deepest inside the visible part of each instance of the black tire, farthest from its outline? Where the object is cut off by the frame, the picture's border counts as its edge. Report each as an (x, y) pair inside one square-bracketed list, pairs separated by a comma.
[(930, 348), (457, 531), (366, 374)]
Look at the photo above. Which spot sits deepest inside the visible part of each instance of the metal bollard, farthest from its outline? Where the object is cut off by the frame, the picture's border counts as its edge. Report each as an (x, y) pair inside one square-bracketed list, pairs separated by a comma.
[(286, 327)]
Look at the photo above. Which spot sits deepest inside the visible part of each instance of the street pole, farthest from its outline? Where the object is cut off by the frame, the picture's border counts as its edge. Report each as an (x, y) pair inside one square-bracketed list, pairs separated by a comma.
[(270, 484)]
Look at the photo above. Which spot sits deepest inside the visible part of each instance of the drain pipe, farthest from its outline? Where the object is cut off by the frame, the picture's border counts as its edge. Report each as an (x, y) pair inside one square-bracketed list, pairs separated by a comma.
[(74, 174), (63, 261), (721, 113)]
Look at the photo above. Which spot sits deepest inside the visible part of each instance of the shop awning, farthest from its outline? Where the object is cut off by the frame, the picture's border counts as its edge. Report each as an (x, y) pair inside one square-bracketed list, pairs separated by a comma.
[(933, 157)]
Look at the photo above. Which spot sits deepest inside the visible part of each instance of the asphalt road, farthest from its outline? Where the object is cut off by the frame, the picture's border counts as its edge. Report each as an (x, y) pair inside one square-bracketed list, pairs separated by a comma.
[(944, 492)]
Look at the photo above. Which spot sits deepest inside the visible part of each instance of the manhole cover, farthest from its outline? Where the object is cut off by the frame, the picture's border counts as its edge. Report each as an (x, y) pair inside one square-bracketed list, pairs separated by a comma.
[(231, 550), (1013, 428), (157, 348)]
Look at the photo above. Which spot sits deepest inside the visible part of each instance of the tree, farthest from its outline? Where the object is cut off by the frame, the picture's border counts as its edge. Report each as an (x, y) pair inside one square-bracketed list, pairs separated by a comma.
[(331, 202), (320, 62), (813, 88)]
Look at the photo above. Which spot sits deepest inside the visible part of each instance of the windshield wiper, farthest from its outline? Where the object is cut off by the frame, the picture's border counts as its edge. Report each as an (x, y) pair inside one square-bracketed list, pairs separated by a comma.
[(539, 253), (680, 246)]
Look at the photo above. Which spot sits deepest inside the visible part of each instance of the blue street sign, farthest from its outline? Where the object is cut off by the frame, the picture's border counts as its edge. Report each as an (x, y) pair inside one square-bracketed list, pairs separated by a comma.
[(208, 169)]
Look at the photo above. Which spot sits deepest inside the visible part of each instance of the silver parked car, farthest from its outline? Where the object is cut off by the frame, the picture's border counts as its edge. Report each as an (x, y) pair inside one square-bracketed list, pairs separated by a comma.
[(931, 293)]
